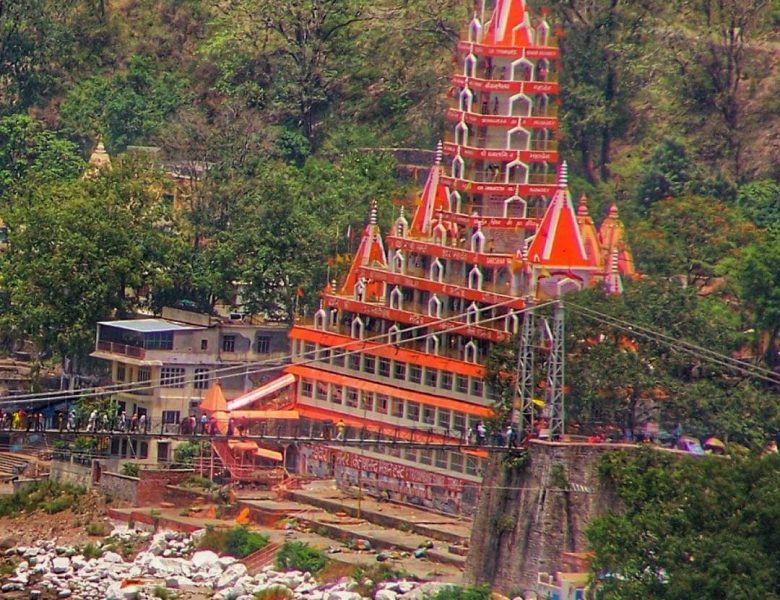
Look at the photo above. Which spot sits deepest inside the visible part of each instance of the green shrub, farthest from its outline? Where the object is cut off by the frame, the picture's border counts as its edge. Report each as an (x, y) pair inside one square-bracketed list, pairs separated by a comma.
[(456, 592), (184, 454), (130, 469), (299, 556), (91, 551), (238, 541), (199, 482), (97, 528), (163, 593), (50, 496)]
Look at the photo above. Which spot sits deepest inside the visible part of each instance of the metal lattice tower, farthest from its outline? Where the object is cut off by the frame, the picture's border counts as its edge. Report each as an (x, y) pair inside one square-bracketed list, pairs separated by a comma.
[(523, 407), (555, 375)]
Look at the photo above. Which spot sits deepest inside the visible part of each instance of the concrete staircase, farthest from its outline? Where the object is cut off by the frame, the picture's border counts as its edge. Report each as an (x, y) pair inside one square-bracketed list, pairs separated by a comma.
[(11, 465)]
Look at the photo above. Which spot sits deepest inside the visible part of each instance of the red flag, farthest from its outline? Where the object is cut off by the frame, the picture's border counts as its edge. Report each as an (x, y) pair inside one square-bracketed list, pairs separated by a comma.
[(299, 292)]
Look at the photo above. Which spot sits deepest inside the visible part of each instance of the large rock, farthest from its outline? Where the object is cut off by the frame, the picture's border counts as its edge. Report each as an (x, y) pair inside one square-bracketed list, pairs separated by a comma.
[(226, 561), (178, 582), (231, 575), (60, 565), (385, 595), (344, 596), (204, 559), (111, 557)]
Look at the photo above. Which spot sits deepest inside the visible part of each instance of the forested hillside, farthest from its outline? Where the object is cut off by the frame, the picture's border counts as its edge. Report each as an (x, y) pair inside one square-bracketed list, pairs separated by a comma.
[(669, 109)]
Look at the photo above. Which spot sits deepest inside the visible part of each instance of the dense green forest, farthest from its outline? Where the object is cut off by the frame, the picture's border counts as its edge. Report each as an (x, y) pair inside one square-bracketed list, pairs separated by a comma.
[(668, 109)]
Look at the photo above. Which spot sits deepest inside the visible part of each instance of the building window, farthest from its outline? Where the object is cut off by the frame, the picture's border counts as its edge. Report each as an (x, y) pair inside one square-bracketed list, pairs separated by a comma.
[(263, 344), (431, 377), (411, 454), (201, 380), (354, 361), (441, 459), (446, 380), (462, 384), (426, 456), (400, 371), (477, 387), (120, 372), (228, 343), (415, 374), (429, 414), (321, 392), (384, 367), (381, 404), (309, 351), (170, 416), (412, 411), (306, 388), (444, 418), (398, 408), (459, 422), (338, 358), (159, 341), (172, 377), (369, 364), (204, 344), (456, 462), (367, 401), (472, 466), (352, 397), (144, 374)]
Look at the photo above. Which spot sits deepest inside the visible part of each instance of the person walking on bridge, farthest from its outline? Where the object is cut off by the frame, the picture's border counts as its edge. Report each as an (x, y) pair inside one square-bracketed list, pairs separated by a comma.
[(341, 428), (203, 422)]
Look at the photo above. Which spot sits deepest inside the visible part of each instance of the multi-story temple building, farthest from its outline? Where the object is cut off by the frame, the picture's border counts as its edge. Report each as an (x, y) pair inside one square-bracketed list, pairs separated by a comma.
[(399, 346)]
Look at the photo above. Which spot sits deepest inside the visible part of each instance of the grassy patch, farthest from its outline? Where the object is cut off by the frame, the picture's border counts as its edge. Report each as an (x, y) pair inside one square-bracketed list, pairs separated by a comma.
[(196, 481), (275, 592), (456, 592), (376, 573), (238, 541), (48, 495), (130, 469), (97, 528), (299, 556), (163, 593), (91, 551)]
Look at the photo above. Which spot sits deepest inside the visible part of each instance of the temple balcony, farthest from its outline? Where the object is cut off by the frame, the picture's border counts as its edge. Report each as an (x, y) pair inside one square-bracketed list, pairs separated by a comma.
[(478, 108)]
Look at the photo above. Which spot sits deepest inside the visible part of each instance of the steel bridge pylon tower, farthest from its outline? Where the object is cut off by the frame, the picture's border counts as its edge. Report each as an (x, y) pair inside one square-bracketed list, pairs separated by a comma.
[(555, 375), (523, 409)]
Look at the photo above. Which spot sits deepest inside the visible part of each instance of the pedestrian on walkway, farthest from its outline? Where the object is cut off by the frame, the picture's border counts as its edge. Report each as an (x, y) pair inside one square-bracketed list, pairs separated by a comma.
[(92, 424), (231, 428), (142, 423), (134, 422), (481, 434), (203, 422), (341, 429)]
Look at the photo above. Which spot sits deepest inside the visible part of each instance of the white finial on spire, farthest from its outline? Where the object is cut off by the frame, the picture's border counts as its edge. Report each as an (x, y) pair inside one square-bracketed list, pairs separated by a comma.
[(563, 175), (439, 153), (372, 220)]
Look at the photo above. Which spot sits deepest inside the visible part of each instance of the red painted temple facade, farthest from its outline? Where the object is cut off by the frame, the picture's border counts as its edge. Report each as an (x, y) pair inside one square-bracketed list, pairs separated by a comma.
[(421, 306)]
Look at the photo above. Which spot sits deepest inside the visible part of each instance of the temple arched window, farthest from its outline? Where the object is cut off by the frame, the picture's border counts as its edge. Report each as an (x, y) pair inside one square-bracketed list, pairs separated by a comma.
[(542, 71), (470, 66), (542, 33), (333, 317), (515, 207), (358, 329), (466, 99), (517, 139), (437, 271), (399, 262), (520, 106), (396, 298), (478, 241), (475, 278), (470, 352), (440, 234), (462, 134), (472, 314), (542, 104), (522, 70), (516, 172), (394, 335), (434, 307), (432, 344), (321, 319), (458, 167), (454, 198), (475, 30)]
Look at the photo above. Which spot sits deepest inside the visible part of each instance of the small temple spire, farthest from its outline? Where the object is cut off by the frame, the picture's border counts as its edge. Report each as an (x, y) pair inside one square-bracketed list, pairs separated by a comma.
[(372, 214), (582, 206), (613, 281), (439, 155), (99, 159)]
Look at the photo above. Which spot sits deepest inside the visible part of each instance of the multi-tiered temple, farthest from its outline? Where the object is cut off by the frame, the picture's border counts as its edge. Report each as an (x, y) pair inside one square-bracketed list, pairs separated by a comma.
[(399, 346)]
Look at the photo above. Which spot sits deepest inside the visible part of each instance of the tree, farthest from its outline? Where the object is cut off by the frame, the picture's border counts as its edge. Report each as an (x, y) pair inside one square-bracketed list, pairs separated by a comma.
[(759, 201), (28, 150), (758, 283), (602, 71), (690, 527), (711, 56), (689, 237), (75, 250), (667, 175)]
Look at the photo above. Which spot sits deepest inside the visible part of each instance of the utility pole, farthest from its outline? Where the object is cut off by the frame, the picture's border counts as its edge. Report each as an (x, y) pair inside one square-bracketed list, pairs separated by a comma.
[(522, 404)]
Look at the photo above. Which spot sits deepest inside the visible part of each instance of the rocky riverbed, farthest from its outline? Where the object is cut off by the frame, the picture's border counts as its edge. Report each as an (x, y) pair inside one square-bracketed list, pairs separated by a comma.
[(46, 570)]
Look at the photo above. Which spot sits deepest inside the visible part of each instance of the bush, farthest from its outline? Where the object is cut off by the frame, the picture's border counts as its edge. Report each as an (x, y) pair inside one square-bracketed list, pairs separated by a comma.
[(456, 592), (299, 556), (130, 469), (50, 496), (184, 454), (162, 593), (97, 528), (199, 482), (238, 541), (91, 551)]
